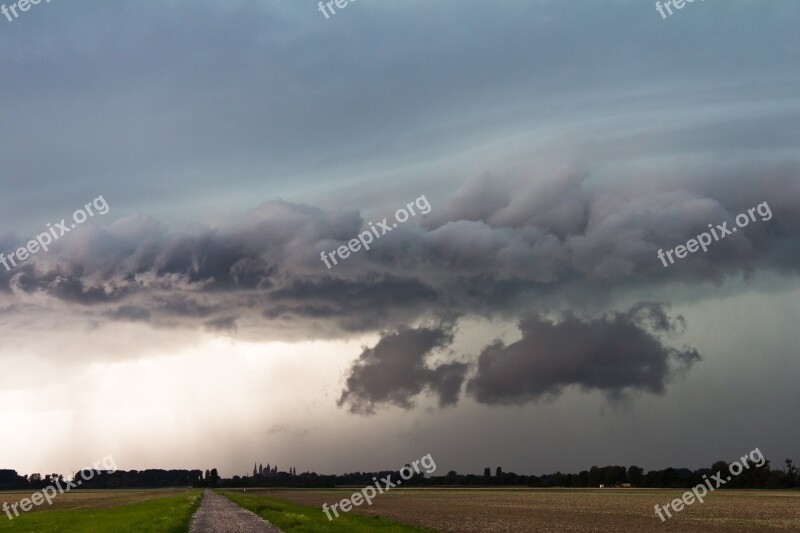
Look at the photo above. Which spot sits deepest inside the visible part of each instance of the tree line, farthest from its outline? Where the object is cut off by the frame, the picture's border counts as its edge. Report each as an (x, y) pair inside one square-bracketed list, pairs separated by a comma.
[(763, 477), (99, 479)]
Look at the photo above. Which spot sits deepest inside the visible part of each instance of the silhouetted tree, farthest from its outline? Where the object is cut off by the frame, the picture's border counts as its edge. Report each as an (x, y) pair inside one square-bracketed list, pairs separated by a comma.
[(595, 477), (790, 477), (635, 475), (213, 478)]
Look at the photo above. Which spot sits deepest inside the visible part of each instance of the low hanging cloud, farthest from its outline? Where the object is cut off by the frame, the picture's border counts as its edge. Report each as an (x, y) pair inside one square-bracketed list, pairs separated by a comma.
[(613, 354), (395, 371)]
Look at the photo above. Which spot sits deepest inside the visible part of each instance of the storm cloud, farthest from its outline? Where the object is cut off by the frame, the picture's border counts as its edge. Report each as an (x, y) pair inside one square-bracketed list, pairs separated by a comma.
[(394, 371), (613, 354), (489, 248), (235, 141)]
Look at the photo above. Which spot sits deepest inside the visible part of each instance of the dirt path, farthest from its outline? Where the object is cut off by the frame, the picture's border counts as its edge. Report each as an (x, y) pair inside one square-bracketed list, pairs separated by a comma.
[(218, 514)]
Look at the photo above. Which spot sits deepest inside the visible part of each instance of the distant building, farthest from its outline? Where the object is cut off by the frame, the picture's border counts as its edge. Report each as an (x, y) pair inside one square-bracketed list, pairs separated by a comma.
[(270, 471)]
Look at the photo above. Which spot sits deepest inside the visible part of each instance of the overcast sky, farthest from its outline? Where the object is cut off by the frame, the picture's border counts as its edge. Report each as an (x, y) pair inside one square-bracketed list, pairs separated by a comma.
[(522, 318)]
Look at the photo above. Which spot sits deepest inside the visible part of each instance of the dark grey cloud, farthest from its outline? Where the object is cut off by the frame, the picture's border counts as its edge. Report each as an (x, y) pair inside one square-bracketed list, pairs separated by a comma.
[(364, 304), (129, 313), (395, 370), (614, 354), (493, 248), (222, 324)]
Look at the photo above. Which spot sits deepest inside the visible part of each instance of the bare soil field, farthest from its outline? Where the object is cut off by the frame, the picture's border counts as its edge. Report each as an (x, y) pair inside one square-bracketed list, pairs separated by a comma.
[(559, 510)]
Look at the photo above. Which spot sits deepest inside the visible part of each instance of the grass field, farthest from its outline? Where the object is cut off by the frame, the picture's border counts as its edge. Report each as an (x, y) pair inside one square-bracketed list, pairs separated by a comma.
[(145, 511), (556, 510), (295, 518)]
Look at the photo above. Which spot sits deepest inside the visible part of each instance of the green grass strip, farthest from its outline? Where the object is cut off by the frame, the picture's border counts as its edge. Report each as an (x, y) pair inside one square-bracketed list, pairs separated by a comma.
[(295, 518), (170, 514)]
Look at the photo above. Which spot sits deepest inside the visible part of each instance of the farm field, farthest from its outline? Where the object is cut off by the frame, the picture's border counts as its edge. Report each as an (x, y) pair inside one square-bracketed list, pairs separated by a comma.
[(557, 510), (101, 511)]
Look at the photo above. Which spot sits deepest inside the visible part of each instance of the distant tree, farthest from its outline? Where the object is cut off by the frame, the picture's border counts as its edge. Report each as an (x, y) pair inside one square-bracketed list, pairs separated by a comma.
[(255, 469), (9, 479), (595, 477), (723, 468), (499, 472), (487, 472), (613, 475), (791, 473), (213, 476), (635, 475)]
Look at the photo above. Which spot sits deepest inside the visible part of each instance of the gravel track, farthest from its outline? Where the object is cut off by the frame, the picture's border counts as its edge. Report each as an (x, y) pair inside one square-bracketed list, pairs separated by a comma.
[(218, 514)]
